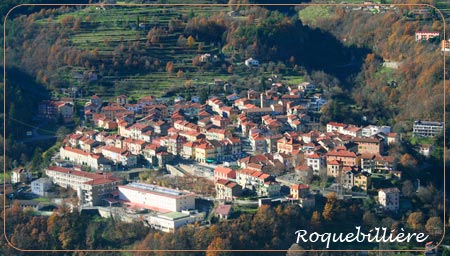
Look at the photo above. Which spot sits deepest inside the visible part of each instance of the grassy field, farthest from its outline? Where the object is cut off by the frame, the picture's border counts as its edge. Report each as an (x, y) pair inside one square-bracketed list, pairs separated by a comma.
[(42, 199), (293, 80), (2, 176), (310, 14)]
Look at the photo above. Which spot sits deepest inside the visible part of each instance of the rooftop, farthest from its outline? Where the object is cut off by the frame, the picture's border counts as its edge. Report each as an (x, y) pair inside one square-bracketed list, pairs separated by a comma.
[(156, 189), (173, 215)]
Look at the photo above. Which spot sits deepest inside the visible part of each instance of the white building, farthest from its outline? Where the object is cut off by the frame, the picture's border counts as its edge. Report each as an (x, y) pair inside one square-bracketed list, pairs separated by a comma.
[(156, 197), (306, 87), (118, 155), (91, 187), (80, 157), (168, 222), (41, 186), (425, 35), (372, 130), (314, 161), (20, 175), (389, 198), (251, 62), (427, 128), (336, 127)]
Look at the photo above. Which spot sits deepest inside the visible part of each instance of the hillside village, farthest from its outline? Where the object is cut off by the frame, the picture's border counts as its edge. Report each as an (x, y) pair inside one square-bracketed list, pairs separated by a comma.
[(171, 128), (265, 146)]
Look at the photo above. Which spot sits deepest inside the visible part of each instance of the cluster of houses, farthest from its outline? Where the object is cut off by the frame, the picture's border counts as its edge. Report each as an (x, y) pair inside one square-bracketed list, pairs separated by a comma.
[(264, 135), (274, 126), (57, 110)]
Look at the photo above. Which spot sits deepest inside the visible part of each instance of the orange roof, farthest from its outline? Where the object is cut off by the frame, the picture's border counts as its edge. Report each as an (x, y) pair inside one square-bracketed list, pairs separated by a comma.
[(366, 140), (223, 170), (341, 153), (205, 146), (302, 168), (246, 171), (76, 151), (337, 124), (353, 129), (256, 174), (313, 156), (151, 146), (222, 181), (263, 176), (299, 186), (189, 144), (333, 162), (231, 184), (112, 149)]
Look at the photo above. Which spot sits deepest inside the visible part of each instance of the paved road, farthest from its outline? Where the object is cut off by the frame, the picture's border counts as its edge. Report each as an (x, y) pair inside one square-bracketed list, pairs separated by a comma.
[(37, 137)]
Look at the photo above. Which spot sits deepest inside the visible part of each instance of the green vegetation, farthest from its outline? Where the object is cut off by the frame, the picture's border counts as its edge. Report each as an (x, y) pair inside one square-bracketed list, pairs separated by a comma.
[(42, 199), (5, 175), (310, 14)]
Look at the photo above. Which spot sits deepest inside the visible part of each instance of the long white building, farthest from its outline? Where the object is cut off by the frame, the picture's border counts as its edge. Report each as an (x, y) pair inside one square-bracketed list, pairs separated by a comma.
[(91, 187), (156, 197), (80, 157), (427, 128)]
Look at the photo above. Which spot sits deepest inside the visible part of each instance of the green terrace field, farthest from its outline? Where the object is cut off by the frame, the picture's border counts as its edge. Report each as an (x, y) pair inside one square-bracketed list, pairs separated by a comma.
[(107, 30), (112, 34)]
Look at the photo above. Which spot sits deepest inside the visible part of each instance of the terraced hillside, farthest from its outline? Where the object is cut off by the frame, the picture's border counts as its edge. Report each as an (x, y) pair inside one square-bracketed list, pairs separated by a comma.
[(116, 34)]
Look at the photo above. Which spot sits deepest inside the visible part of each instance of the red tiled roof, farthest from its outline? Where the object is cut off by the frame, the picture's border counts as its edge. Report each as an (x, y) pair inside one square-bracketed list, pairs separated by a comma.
[(223, 170), (222, 182), (112, 149), (302, 168), (205, 146), (263, 176), (223, 209), (341, 153), (231, 184), (76, 151), (299, 186), (333, 162), (365, 140), (337, 124), (313, 156)]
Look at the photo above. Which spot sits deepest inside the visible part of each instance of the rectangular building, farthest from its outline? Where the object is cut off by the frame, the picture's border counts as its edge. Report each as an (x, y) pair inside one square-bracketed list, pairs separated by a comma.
[(91, 187), (389, 198), (168, 222), (41, 186), (427, 128), (227, 190), (156, 197)]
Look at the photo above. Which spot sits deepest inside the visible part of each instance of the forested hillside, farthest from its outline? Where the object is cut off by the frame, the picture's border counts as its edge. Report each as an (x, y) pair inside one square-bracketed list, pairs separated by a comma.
[(415, 89)]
